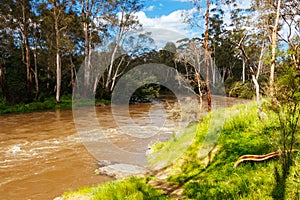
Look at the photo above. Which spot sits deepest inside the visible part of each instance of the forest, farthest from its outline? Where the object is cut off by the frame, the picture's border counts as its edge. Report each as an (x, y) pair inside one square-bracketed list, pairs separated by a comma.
[(44, 43)]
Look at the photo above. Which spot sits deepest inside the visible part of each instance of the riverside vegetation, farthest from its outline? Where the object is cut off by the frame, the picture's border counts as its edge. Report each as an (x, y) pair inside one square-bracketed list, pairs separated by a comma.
[(47, 104), (199, 178)]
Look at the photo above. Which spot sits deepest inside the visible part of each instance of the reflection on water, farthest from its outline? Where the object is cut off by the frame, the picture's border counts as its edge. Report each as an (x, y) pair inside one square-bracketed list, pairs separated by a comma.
[(41, 154)]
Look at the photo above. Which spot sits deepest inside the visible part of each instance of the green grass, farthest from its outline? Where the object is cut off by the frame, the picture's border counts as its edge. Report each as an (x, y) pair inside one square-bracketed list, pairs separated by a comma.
[(165, 153), (47, 104), (233, 132), (242, 133), (132, 189)]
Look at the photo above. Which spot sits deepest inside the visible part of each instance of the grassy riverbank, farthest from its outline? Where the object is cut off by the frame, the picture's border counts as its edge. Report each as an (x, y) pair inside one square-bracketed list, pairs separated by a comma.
[(132, 188), (238, 131), (46, 104), (242, 133)]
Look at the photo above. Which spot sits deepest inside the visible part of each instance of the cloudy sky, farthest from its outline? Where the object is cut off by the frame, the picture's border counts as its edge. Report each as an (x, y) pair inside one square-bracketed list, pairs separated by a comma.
[(163, 18)]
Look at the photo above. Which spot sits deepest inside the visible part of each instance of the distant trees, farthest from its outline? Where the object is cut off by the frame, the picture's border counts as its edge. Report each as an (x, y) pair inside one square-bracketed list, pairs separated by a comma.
[(92, 15), (193, 56), (290, 19), (6, 41), (125, 23), (24, 29), (196, 21), (49, 39), (52, 38), (16, 15), (59, 18)]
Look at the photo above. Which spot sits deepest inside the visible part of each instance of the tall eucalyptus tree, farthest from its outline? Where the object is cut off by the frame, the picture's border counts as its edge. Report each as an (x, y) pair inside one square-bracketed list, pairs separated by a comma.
[(55, 21), (17, 16), (124, 22)]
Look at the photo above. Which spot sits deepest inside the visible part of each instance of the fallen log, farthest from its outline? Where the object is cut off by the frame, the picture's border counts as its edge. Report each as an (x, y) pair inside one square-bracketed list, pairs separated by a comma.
[(259, 158)]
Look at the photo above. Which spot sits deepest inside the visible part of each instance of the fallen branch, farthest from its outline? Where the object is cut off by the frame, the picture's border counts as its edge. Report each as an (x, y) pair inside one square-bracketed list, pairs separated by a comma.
[(259, 158)]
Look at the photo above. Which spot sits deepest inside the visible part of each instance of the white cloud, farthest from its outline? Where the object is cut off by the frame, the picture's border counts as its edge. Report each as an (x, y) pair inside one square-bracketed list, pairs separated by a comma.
[(172, 28), (150, 8), (166, 27)]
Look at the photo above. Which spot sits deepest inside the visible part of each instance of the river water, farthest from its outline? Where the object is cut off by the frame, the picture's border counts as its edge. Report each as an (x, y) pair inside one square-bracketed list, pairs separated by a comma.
[(43, 154)]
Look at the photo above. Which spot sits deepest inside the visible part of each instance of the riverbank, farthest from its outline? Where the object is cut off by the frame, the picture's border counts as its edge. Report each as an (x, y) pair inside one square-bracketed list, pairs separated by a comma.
[(46, 104), (212, 176)]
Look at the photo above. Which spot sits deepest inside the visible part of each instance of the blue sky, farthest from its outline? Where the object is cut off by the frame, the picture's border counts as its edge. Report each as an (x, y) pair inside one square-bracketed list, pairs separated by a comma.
[(156, 8), (163, 18)]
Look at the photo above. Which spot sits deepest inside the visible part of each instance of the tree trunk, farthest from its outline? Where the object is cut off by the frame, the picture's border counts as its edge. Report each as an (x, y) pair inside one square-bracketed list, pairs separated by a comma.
[(87, 69), (85, 14), (49, 63), (260, 158), (257, 94), (95, 84), (255, 81), (28, 70), (207, 58), (113, 56), (119, 38), (116, 74), (296, 59), (58, 77), (3, 82), (274, 40), (73, 74), (36, 74), (199, 90), (58, 66), (213, 70), (244, 71), (27, 50)]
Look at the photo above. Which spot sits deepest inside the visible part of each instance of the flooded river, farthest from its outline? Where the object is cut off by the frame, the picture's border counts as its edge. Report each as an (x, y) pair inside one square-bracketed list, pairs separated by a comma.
[(43, 154)]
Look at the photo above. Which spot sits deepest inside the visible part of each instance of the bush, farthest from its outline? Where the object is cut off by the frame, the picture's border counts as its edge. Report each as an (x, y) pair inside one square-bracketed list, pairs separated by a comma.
[(239, 89)]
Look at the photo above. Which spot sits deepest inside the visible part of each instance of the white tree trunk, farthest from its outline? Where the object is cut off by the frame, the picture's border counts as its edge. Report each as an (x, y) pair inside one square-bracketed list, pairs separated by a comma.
[(58, 77), (57, 40), (274, 40)]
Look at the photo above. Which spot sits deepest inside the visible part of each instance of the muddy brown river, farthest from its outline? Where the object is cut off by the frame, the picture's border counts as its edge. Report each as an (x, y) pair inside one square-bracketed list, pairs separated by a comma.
[(43, 154)]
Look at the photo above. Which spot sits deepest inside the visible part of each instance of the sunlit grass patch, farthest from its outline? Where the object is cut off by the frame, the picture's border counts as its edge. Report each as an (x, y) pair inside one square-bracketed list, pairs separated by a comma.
[(166, 153), (241, 133), (131, 189)]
